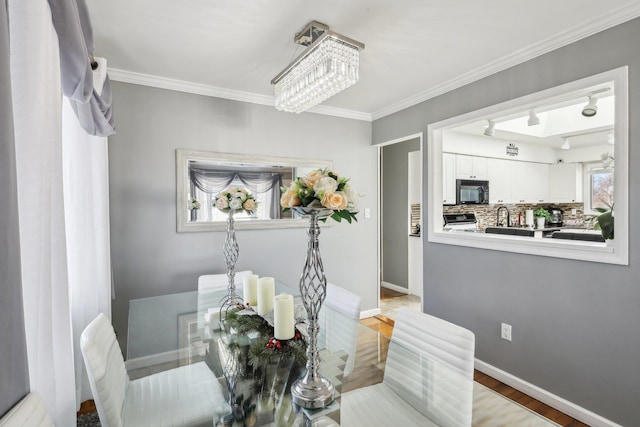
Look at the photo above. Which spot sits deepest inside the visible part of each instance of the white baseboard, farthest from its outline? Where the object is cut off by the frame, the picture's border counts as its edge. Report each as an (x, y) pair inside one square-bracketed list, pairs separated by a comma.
[(557, 402), (369, 313), (394, 287)]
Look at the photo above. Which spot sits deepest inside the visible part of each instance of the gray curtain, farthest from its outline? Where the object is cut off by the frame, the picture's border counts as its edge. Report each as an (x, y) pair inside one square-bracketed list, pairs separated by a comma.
[(14, 375), (75, 38), (214, 181)]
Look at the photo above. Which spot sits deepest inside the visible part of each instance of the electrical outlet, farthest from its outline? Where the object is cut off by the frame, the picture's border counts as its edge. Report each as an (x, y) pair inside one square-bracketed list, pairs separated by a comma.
[(505, 332)]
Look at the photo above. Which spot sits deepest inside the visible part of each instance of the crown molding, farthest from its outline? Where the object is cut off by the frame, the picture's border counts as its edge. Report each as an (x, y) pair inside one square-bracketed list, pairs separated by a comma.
[(572, 35), (125, 76)]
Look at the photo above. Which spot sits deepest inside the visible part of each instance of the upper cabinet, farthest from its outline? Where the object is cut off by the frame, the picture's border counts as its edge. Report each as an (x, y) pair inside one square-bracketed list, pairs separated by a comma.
[(512, 181), (471, 167), (532, 182), (565, 182), (448, 179), (500, 173)]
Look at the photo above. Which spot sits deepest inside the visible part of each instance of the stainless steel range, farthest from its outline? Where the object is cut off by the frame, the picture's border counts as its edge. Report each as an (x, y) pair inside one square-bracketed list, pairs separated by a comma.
[(461, 222)]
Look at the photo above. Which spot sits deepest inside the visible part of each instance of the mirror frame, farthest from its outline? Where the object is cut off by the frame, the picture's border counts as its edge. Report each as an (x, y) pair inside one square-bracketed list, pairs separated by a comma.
[(183, 156), (615, 252)]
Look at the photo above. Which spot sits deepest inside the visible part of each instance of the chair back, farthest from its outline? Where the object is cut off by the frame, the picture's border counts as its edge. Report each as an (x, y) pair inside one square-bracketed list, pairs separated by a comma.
[(341, 328), (216, 282), (430, 365), (209, 286), (106, 370), (29, 412)]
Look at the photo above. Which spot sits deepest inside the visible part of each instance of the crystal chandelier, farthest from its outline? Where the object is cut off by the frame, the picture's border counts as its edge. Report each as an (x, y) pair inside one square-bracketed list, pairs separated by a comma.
[(328, 65)]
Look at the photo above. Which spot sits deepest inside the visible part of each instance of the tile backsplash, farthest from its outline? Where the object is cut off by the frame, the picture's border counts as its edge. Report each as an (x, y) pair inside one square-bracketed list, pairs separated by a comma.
[(486, 214)]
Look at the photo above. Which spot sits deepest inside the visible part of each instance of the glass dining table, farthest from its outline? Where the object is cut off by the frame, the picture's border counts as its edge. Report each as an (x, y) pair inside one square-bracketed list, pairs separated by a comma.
[(184, 328)]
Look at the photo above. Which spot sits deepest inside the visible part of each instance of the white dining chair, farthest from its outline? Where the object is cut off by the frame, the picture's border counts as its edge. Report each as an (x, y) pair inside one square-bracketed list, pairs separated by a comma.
[(209, 287), (29, 412), (216, 282), (340, 330), (428, 378), (186, 396)]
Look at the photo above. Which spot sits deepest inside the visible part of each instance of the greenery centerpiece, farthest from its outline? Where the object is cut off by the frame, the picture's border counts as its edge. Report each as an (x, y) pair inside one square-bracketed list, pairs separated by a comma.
[(266, 346)]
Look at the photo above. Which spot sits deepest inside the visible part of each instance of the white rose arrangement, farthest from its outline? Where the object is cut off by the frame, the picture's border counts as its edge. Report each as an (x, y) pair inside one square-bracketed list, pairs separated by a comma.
[(322, 188), (194, 204), (235, 199)]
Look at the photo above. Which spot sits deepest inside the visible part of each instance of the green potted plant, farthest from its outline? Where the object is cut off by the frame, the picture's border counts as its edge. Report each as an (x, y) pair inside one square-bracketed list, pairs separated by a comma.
[(605, 222), (541, 215)]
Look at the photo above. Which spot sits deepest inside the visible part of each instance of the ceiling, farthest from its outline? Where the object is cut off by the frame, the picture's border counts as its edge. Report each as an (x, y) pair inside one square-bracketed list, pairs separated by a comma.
[(414, 49)]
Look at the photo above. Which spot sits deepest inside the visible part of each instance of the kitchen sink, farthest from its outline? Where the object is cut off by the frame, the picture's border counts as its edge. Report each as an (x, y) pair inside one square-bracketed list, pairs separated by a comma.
[(511, 231)]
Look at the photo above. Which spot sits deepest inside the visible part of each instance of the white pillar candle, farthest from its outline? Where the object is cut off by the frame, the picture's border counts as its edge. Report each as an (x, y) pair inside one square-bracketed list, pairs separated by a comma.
[(266, 292), (283, 319), (250, 289)]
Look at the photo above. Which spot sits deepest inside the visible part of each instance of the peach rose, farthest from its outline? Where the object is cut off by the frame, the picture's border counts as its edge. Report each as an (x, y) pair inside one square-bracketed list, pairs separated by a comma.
[(290, 199), (310, 179), (222, 203), (334, 200), (249, 205)]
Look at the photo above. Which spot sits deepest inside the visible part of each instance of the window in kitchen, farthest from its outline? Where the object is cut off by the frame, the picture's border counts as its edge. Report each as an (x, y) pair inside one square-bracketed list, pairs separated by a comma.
[(601, 188)]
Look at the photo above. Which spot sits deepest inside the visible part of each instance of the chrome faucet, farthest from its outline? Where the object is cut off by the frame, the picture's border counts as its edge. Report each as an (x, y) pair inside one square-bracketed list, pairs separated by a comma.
[(498, 223)]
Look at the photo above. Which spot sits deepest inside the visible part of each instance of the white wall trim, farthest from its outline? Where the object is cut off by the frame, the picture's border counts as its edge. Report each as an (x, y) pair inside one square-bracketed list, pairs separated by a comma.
[(557, 402), (220, 92), (615, 17), (394, 287), (369, 313), (611, 19)]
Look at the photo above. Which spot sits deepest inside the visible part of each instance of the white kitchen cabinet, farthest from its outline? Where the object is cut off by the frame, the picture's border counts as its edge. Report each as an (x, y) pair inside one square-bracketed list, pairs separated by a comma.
[(565, 182), (471, 167), (448, 179), (531, 182), (500, 173)]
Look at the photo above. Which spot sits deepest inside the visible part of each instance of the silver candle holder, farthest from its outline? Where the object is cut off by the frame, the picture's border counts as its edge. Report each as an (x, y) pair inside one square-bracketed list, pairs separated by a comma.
[(231, 251), (313, 391)]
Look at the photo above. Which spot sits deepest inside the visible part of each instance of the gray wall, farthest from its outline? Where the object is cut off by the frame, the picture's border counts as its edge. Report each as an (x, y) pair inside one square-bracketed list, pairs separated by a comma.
[(395, 212), (14, 375), (575, 324), (150, 258)]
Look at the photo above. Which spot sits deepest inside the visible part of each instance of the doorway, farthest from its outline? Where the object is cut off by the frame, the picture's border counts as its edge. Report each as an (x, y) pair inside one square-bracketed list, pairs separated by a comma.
[(400, 244)]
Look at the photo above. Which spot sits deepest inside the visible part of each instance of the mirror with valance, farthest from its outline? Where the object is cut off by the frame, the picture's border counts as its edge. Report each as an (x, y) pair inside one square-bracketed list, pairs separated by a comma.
[(201, 175)]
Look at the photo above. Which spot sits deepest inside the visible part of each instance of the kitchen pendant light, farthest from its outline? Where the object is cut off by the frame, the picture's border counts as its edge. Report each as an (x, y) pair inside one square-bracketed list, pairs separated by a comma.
[(591, 108), (329, 64), (533, 118), (491, 129)]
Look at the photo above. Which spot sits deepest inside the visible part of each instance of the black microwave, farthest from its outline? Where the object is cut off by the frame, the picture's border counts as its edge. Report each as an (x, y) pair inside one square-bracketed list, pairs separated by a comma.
[(472, 192)]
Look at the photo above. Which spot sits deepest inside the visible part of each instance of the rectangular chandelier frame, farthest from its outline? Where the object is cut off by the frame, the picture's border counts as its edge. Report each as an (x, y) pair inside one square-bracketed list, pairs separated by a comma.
[(308, 37), (328, 65)]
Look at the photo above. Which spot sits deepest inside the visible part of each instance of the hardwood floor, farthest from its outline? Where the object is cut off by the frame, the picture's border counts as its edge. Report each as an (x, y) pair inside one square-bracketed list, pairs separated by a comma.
[(384, 325)]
